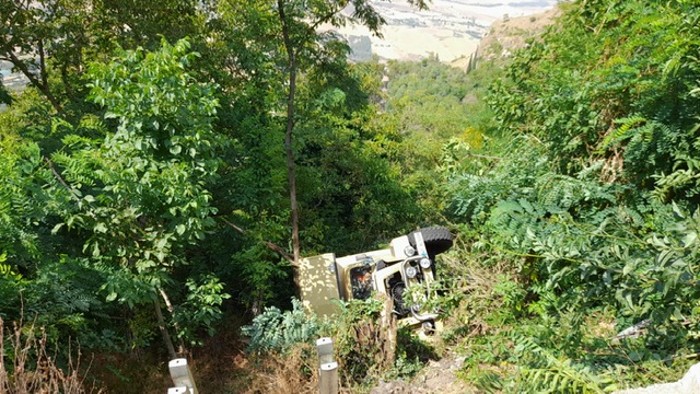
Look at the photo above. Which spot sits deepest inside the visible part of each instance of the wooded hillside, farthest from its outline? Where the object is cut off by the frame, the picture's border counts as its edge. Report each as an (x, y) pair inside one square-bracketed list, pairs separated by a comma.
[(170, 162)]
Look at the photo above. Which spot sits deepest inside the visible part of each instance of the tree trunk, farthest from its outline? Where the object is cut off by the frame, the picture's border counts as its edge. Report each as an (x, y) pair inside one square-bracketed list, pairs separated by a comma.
[(288, 135), (169, 306), (40, 83), (388, 335), (164, 329)]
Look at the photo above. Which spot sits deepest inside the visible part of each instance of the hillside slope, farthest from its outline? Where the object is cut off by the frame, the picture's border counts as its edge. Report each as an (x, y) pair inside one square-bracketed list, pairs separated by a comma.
[(507, 35)]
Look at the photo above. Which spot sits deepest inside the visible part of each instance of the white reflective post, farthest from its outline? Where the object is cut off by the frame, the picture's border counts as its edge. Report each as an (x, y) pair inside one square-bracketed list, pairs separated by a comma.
[(328, 378), (328, 382), (182, 376)]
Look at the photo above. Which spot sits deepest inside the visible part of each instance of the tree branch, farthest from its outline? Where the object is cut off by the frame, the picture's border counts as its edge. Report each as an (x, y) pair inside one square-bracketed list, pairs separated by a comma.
[(41, 84), (60, 179), (164, 329), (325, 18), (272, 246)]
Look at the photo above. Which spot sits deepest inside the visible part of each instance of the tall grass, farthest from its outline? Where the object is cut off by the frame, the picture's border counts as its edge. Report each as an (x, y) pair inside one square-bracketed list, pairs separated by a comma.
[(27, 367)]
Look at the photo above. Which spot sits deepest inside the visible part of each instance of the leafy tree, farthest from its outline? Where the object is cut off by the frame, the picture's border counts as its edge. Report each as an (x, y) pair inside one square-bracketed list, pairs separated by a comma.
[(50, 42), (301, 43), (139, 196), (623, 96), (286, 32), (30, 32), (19, 244)]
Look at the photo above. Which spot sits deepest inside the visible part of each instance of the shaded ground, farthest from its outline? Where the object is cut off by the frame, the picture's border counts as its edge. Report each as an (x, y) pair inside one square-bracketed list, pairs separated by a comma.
[(436, 377)]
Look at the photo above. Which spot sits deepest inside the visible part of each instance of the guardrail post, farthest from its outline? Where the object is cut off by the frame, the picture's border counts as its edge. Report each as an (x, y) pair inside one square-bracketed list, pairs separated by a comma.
[(182, 377), (328, 382)]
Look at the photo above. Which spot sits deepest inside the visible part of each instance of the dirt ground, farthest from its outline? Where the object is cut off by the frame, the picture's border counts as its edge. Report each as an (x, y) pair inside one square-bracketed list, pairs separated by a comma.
[(437, 377)]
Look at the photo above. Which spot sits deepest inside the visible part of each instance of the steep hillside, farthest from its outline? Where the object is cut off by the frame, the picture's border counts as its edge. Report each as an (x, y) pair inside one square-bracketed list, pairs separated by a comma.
[(507, 35), (510, 34)]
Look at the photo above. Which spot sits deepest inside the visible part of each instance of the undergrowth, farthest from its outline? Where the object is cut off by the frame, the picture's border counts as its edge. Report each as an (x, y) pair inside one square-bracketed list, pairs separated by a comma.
[(508, 348), (27, 366), (368, 347)]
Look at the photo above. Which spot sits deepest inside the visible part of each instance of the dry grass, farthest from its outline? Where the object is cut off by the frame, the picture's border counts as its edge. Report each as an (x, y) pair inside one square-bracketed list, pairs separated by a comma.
[(478, 284), (295, 372), (365, 346), (221, 365), (26, 367)]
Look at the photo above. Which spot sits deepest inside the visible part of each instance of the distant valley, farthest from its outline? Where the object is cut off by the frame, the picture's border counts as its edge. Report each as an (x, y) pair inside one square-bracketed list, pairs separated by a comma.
[(450, 29)]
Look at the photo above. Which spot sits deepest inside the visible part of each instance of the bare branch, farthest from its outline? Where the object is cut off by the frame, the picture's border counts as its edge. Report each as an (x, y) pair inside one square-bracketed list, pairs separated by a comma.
[(272, 246), (60, 179), (164, 329), (42, 86)]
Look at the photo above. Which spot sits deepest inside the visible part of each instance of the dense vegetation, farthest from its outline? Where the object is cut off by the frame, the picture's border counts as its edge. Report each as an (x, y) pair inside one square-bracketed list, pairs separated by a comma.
[(591, 207), (165, 168)]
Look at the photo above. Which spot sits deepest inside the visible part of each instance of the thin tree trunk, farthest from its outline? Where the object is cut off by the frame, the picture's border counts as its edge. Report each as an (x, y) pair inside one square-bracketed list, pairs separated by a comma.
[(164, 329), (41, 84), (291, 165), (169, 305)]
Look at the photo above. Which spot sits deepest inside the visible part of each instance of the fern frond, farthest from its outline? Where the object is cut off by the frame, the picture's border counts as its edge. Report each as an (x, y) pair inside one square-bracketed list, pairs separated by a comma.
[(621, 133), (547, 373)]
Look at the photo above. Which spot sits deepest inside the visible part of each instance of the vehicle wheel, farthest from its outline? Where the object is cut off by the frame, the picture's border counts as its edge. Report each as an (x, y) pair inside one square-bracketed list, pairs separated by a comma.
[(437, 239), (396, 290)]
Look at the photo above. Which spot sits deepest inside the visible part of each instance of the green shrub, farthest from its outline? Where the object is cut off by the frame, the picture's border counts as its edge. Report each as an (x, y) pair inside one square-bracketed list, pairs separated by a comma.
[(274, 330)]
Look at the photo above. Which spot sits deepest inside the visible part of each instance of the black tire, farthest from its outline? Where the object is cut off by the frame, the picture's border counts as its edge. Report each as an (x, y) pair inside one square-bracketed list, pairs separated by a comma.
[(437, 239), (396, 289)]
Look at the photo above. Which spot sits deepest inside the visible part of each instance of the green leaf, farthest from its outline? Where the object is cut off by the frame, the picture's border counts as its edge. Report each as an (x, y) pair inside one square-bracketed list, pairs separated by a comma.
[(176, 149), (56, 228), (96, 250), (690, 239), (161, 242), (677, 210), (111, 297), (629, 267)]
